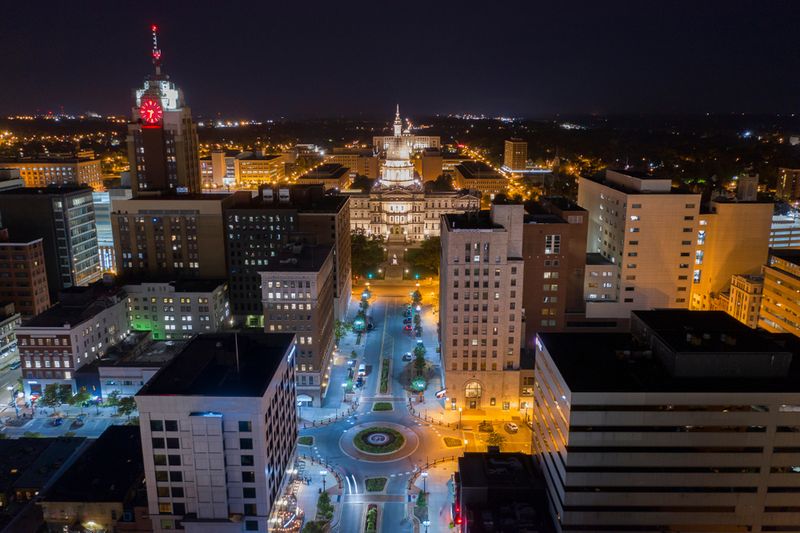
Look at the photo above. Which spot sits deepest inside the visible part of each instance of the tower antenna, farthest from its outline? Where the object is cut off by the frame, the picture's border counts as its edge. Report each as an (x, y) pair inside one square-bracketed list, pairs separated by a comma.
[(156, 53)]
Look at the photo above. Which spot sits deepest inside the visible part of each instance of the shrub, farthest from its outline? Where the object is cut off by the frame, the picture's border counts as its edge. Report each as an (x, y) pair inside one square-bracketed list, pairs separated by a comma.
[(451, 442), (382, 406), (306, 441), (375, 484)]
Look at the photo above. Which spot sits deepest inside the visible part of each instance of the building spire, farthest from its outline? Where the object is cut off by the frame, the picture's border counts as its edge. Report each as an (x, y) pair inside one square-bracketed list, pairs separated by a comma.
[(398, 123), (156, 53)]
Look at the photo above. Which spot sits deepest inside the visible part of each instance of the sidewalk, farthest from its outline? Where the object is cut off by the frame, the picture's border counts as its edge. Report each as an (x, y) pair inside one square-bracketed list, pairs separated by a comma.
[(307, 487), (441, 494)]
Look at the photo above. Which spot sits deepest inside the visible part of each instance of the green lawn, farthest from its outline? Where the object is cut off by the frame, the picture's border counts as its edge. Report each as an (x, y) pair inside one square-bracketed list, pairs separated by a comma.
[(375, 484), (382, 406), (451, 442), (305, 441), (396, 440)]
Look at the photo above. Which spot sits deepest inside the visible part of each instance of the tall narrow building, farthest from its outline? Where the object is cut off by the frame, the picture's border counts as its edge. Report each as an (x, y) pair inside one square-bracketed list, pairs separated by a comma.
[(162, 138), (515, 155), (480, 301)]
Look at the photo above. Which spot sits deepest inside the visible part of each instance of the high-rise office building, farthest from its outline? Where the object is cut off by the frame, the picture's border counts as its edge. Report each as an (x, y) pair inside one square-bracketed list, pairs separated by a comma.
[(162, 138), (683, 425), (23, 276), (732, 238), (780, 302), (102, 218), (219, 426), (297, 288), (63, 217), (647, 228), (258, 228), (515, 155), (480, 305), (554, 250), (178, 235)]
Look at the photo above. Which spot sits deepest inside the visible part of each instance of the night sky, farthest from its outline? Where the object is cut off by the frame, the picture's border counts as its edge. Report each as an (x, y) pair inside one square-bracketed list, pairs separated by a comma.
[(323, 59)]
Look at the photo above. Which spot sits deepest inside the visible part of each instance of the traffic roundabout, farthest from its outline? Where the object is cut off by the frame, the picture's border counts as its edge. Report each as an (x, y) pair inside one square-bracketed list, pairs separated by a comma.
[(379, 442)]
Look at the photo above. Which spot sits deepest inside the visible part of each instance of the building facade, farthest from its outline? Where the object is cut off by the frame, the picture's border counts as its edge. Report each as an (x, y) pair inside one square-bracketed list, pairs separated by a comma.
[(788, 186), (515, 155), (253, 169), (780, 302), (664, 430), (23, 277), (178, 309), (63, 217), (480, 306), (478, 176), (41, 172), (362, 162), (744, 298), (218, 428), (298, 297), (329, 175), (732, 238), (85, 323), (178, 235), (162, 138), (640, 223)]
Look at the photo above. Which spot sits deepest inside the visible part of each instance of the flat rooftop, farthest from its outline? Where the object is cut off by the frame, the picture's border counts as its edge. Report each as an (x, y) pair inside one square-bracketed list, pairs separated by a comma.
[(180, 285), (595, 258), (308, 259), (787, 254), (482, 220), (478, 170), (302, 198), (140, 350), (105, 472), (207, 366), (77, 305), (495, 470), (327, 171), (67, 188)]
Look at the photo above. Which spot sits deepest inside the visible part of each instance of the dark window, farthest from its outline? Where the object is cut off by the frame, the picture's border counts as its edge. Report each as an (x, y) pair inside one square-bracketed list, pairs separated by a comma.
[(247, 460), (248, 477), (248, 492), (171, 425), (177, 492), (160, 460), (245, 425), (246, 444), (156, 425), (250, 525), (163, 492), (173, 443), (175, 475), (250, 509), (158, 443), (161, 475), (179, 509), (175, 460)]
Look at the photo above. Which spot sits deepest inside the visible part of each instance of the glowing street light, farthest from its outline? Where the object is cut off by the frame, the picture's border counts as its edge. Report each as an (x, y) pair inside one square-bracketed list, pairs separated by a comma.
[(323, 473)]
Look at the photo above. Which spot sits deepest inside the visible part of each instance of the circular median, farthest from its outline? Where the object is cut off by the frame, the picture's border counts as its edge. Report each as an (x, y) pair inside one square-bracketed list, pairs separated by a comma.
[(379, 442)]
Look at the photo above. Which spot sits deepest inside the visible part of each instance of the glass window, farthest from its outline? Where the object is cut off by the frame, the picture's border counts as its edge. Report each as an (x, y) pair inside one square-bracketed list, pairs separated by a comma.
[(156, 425)]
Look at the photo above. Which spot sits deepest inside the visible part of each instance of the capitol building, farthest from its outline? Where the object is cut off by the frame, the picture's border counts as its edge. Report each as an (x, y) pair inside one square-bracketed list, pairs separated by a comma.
[(398, 207)]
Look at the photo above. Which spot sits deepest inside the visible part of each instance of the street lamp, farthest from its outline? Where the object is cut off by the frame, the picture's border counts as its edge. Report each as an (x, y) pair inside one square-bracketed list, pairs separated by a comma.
[(323, 473), (10, 390), (459, 417), (426, 523), (425, 482)]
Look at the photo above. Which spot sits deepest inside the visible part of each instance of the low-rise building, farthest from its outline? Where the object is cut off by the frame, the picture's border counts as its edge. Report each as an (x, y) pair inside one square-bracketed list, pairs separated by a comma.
[(218, 428), (329, 175), (177, 309), (478, 176), (743, 300), (298, 297), (360, 162), (103, 490), (788, 186), (85, 323), (10, 320), (780, 301), (44, 171), (254, 168)]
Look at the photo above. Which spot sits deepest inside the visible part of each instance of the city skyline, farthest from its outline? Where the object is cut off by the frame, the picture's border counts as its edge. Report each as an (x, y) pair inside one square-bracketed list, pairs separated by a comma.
[(520, 61)]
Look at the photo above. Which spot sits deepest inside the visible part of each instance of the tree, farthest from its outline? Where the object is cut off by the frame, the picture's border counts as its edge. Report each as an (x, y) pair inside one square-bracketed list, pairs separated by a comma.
[(80, 398), (324, 507), (427, 257), (366, 254), (127, 405), (419, 363), (416, 297), (50, 396), (64, 394), (112, 400), (422, 499), (495, 439), (444, 182), (362, 182), (340, 329), (314, 527)]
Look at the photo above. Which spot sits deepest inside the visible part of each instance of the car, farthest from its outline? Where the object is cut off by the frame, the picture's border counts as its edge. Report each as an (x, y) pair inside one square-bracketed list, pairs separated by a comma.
[(359, 382), (407, 356), (407, 313), (15, 365), (362, 369), (511, 427), (407, 327), (57, 421), (407, 321)]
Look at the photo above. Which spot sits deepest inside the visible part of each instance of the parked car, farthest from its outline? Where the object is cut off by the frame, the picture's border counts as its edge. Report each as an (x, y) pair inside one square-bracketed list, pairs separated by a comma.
[(511, 427), (407, 327), (407, 321), (57, 421), (362, 369), (407, 313), (407, 356), (15, 365)]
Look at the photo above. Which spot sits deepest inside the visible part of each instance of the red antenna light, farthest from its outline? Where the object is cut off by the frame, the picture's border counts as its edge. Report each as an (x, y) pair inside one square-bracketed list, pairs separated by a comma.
[(156, 53)]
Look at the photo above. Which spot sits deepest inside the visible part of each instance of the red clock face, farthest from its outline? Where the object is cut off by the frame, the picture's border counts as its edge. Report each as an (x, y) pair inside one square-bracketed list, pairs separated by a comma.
[(151, 112)]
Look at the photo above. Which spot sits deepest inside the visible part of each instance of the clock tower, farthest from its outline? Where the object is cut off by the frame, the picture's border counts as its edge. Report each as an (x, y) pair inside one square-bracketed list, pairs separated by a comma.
[(162, 138)]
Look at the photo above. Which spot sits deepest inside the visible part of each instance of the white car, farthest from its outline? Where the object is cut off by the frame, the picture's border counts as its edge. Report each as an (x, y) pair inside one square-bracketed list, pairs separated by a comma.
[(407, 356), (511, 427)]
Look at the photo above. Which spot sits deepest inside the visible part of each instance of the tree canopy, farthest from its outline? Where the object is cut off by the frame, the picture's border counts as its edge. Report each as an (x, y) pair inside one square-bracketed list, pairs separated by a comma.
[(366, 254), (426, 258)]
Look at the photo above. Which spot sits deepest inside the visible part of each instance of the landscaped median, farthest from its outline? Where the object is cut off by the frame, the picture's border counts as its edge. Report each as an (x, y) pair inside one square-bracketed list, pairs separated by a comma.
[(379, 440), (382, 406), (375, 484), (384, 386)]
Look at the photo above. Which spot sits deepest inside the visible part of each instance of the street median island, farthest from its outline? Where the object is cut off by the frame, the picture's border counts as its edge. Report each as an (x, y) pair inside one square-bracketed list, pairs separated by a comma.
[(379, 440), (382, 406)]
